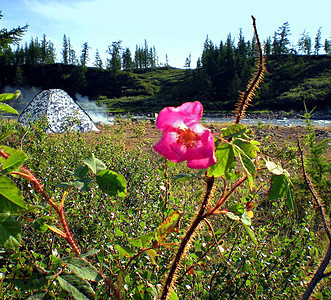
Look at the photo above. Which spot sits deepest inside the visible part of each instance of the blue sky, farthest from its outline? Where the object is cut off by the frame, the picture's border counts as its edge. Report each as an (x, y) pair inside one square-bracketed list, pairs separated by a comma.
[(175, 28)]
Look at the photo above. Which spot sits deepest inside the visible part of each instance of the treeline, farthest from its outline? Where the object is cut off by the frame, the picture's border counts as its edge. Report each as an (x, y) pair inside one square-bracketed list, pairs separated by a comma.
[(225, 69), (40, 52)]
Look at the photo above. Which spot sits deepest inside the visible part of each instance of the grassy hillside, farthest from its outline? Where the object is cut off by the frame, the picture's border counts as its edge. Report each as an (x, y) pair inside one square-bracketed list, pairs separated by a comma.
[(290, 81)]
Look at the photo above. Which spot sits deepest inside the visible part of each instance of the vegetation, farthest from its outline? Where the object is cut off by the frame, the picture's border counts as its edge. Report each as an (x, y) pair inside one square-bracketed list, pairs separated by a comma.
[(132, 226), (138, 82)]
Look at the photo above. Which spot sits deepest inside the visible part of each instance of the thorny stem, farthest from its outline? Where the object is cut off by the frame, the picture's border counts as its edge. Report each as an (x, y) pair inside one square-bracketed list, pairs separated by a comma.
[(319, 275), (170, 280), (59, 209)]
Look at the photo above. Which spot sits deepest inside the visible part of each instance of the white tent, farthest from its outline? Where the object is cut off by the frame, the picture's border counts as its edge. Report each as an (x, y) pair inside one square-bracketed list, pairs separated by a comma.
[(59, 110)]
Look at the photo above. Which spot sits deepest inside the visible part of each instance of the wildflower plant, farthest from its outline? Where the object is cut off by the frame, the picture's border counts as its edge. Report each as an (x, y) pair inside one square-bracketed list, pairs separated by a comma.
[(225, 161)]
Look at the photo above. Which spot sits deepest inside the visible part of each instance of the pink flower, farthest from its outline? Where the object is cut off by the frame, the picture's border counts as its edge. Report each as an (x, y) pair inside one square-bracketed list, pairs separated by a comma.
[(184, 138)]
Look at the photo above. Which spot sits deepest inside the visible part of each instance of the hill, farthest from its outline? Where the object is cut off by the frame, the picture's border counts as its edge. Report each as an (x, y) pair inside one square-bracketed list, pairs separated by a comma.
[(291, 80)]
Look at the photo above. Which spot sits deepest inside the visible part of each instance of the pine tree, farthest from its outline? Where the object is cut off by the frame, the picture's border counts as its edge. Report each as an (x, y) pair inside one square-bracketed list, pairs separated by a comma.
[(327, 47), (84, 56), (65, 51), (114, 63), (304, 43), (318, 44), (127, 60), (281, 41), (98, 61), (12, 36)]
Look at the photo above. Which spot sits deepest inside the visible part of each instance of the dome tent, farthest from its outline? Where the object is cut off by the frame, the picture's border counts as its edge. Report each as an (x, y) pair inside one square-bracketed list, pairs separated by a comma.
[(59, 110)]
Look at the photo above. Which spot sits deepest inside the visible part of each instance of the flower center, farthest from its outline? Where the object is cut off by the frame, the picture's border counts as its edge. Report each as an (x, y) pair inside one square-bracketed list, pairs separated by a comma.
[(187, 137)]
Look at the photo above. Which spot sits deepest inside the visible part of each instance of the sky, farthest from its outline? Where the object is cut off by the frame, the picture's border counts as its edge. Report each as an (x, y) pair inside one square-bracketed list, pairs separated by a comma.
[(177, 28)]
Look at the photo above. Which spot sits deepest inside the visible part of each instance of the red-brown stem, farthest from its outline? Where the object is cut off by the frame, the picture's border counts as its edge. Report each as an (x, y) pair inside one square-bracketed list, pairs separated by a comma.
[(171, 278), (226, 196), (29, 176)]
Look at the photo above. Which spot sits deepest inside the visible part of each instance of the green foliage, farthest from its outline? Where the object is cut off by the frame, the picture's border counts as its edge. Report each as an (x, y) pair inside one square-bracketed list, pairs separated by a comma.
[(136, 224)]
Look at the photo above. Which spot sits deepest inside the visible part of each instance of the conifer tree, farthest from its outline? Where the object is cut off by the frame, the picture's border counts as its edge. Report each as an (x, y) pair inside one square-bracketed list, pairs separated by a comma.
[(84, 58), (318, 44), (12, 36), (98, 61), (127, 60), (65, 51), (304, 43)]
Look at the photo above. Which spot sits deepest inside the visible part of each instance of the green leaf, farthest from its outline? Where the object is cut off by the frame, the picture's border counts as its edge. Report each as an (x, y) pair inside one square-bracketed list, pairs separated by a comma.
[(251, 234), (9, 96), (173, 295), (232, 216), (279, 187), (77, 287), (40, 225), (245, 219), (94, 164), (225, 158), (249, 168), (14, 161), (5, 135), (289, 195), (183, 177), (170, 224), (89, 252), (83, 269), (112, 183), (6, 108), (237, 208), (248, 147), (27, 278), (10, 196), (142, 241), (81, 172), (152, 254), (124, 251), (233, 131), (10, 230)]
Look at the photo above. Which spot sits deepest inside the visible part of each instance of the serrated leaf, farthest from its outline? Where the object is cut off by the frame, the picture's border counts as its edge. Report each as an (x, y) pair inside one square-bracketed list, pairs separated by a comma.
[(142, 241), (10, 230), (83, 269), (77, 287), (9, 96), (6, 108), (248, 147), (225, 158), (96, 165), (233, 131), (170, 224), (10, 196), (14, 161), (111, 183)]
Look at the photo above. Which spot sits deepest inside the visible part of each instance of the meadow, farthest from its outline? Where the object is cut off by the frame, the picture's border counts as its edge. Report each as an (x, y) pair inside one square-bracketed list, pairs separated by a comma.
[(120, 237)]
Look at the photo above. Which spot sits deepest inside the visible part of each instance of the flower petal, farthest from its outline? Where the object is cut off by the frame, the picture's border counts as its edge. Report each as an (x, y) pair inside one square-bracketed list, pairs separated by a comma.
[(188, 114)]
